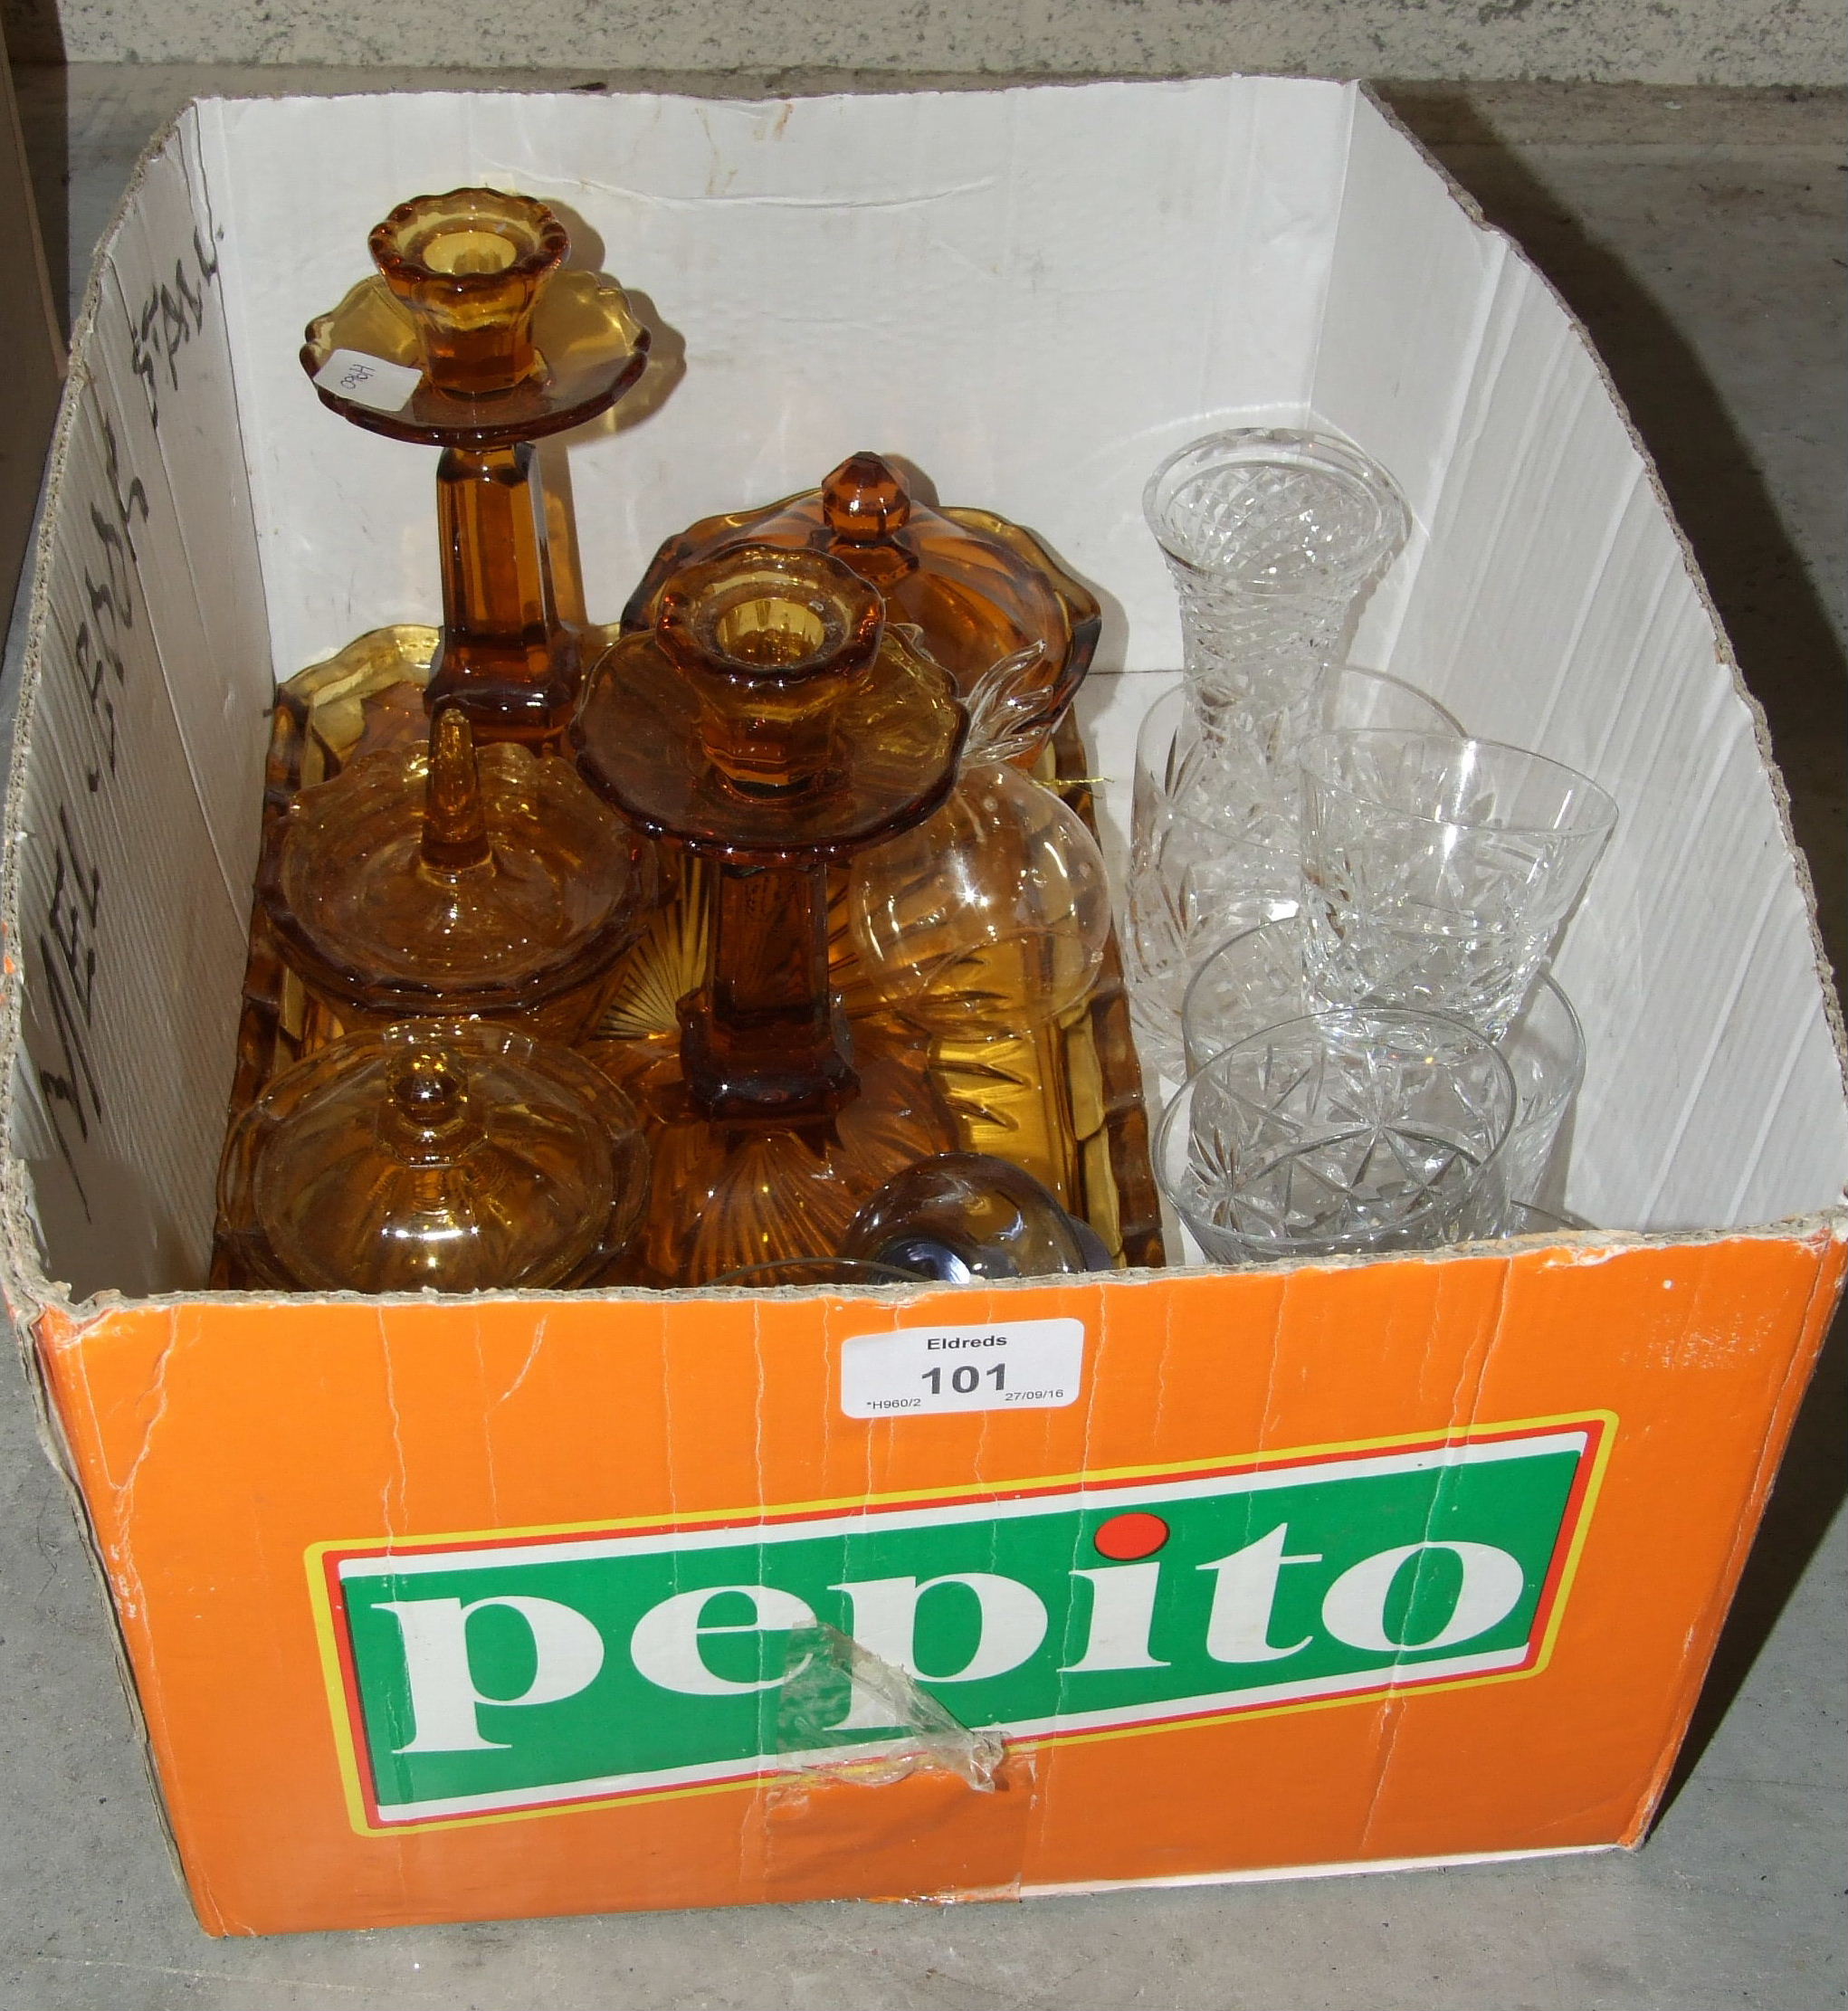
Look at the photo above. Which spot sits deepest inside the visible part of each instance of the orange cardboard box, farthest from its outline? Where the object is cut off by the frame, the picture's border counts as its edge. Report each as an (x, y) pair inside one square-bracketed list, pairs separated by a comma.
[(442, 1608)]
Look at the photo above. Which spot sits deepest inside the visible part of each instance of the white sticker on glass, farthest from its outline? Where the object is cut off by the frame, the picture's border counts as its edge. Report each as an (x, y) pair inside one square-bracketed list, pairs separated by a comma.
[(369, 380)]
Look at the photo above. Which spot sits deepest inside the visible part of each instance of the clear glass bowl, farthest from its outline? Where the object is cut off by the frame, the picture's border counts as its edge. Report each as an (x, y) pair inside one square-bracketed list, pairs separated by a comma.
[(1256, 980), (1336, 1133)]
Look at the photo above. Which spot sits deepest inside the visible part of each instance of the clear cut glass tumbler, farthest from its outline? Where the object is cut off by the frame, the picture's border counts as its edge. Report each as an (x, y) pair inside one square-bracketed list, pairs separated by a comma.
[(1256, 981), (1341, 1132), (1437, 871), (1216, 837)]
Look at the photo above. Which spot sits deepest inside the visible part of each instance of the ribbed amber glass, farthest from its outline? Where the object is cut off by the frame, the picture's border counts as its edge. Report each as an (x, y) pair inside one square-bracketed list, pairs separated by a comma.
[(449, 1157)]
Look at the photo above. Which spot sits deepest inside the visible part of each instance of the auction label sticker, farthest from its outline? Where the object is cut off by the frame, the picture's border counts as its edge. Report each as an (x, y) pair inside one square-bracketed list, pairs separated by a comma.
[(919, 1371), (369, 380)]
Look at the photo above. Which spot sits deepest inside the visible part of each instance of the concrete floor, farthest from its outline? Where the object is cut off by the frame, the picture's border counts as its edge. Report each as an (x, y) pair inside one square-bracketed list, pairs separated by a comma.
[(1698, 233)]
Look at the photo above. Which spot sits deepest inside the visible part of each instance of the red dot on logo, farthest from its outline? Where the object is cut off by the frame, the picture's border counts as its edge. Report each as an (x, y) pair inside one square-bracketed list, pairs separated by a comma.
[(1134, 1534)]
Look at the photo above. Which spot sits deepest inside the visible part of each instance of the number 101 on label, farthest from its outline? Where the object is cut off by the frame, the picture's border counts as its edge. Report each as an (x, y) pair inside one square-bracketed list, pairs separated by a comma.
[(920, 1371)]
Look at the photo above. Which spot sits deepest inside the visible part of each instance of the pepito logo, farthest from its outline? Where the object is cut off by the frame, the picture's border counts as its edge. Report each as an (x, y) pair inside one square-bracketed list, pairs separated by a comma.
[(512, 1671)]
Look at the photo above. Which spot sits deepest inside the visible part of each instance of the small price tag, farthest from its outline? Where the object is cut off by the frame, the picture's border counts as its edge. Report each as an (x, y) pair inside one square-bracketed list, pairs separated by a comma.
[(1013, 1364), (369, 380)]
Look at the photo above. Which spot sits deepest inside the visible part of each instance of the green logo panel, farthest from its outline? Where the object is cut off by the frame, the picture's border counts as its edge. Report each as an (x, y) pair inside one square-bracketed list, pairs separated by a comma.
[(501, 1675)]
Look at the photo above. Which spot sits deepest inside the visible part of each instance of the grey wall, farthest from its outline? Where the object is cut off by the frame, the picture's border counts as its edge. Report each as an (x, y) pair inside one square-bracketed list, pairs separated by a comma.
[(1661, 41)]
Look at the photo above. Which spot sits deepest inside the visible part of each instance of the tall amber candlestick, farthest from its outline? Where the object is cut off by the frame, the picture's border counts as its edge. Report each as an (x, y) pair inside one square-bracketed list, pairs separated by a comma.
[(505, 658), (507, 348)]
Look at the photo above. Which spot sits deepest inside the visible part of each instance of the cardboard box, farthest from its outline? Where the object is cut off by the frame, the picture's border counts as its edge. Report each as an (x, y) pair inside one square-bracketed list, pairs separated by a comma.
[(439, 1609)]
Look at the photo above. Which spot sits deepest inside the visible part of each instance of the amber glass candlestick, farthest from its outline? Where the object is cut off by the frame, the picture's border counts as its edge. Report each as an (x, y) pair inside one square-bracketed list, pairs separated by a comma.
[(771, 725), (508, 347), (1009, 901), (438, 881), (761, 1036), (505, 657)]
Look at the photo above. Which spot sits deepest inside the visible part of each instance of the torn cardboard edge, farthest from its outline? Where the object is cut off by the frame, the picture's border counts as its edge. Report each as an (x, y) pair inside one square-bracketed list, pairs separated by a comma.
[(31, 1297)]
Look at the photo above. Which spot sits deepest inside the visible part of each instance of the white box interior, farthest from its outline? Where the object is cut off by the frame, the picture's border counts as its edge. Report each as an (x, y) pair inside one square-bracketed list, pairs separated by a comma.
[(1033, 295)]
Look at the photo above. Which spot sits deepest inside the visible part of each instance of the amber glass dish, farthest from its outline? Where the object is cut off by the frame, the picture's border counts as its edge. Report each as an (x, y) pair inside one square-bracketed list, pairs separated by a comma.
[(1065, 1102), (1062, 1100), (436, 881)]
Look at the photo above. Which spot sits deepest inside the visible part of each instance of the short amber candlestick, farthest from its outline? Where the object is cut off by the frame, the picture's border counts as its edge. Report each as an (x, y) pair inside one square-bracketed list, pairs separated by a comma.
[(983, 591), (771, 724)]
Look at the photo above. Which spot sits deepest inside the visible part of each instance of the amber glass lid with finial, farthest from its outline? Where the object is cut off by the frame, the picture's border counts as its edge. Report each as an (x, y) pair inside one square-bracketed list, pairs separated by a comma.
[(983, 591), (442, 1156), (455, 881), (471, 291)]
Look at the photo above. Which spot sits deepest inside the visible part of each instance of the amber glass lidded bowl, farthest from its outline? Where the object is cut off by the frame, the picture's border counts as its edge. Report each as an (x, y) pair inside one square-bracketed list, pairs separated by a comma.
[(439, 1156)]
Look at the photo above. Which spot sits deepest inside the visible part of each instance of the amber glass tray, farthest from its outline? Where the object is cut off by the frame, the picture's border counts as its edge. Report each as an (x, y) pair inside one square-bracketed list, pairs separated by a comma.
[(1065, 1102)]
